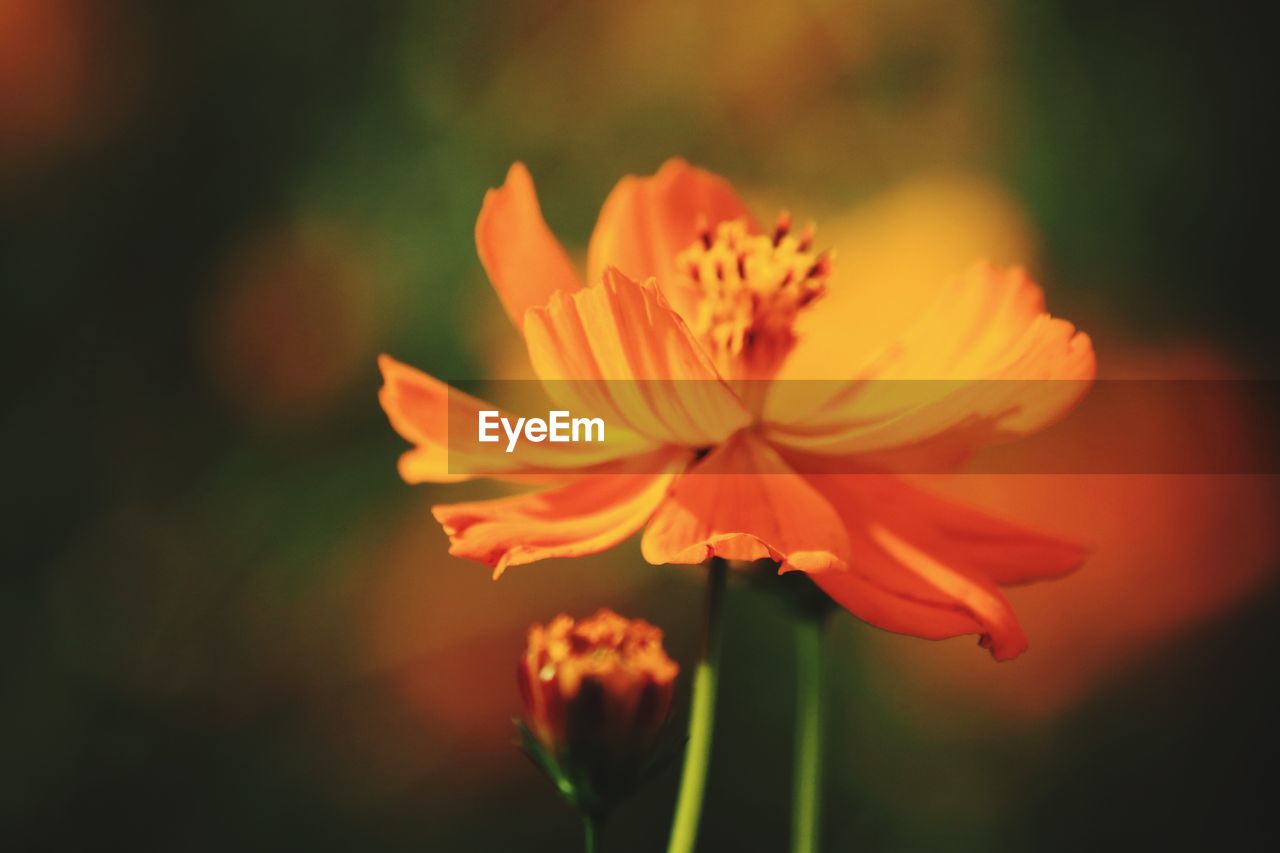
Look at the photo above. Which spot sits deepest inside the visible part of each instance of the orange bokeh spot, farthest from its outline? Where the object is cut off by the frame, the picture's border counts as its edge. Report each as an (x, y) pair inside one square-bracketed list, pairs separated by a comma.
[(445, 637), (292, 324), (44, 67), (1168, 551), (69, 69)]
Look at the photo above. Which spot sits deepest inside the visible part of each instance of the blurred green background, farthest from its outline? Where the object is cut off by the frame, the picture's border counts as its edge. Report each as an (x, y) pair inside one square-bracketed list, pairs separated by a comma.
[(226, 623)]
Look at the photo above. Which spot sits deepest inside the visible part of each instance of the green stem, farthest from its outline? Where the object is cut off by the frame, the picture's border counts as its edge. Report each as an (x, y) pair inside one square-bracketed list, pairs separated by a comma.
[(693, 779), (806, 793), (589, 830)]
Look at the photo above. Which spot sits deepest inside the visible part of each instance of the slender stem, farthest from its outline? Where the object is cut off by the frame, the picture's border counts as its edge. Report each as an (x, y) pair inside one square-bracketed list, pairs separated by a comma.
[(806, 793), (693, 779), (589, 830)]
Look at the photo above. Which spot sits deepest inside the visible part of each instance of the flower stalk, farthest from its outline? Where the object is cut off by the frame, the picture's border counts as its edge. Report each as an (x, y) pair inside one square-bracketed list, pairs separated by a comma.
[(693, 778), (806, 794)]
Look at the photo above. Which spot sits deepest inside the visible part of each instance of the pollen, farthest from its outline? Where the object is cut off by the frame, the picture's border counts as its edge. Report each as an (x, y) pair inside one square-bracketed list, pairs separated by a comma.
[(751, 288)]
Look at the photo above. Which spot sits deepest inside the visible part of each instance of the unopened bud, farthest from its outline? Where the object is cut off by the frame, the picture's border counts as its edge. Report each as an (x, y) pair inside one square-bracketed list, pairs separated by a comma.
[(596, 694)]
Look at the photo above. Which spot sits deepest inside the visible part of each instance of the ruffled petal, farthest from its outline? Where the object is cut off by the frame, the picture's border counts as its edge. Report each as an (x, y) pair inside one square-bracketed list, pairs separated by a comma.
[(617, 351), (524, 261), (645, 222), (922, 565), (421, 407), (742, 502), (590, 514), (984, 363)]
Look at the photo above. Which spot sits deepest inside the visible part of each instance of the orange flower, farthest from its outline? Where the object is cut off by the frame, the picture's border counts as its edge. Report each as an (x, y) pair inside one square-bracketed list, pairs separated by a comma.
[(603, 681), (687, 289), (596, 695)]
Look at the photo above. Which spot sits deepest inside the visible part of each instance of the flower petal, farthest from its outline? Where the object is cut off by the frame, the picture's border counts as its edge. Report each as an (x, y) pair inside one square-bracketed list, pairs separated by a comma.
[(524, 261), (590, 514), (742, 502), (925, 566), (891, 611), (646, 222), (878, 554), (983, 363), (1001, 551), (617, 351), (912, 238), (421, 407)]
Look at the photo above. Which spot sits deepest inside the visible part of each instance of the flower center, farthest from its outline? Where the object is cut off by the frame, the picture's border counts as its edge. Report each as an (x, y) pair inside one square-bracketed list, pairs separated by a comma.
[(751, 288)]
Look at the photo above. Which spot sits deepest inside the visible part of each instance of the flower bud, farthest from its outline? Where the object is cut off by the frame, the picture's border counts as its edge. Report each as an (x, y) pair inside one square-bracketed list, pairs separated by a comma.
[(596, 694)]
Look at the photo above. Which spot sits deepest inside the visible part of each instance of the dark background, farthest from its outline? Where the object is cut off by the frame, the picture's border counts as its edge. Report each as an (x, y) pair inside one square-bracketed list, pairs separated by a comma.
[(226, 623)]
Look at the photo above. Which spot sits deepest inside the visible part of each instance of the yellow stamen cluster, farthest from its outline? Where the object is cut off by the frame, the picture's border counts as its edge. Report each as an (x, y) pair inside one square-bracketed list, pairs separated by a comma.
[(752, 286)]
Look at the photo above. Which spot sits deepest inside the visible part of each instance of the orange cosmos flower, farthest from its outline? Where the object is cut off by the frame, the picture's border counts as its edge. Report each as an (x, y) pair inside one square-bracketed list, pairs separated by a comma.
[(597, 692), (685, 287)]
